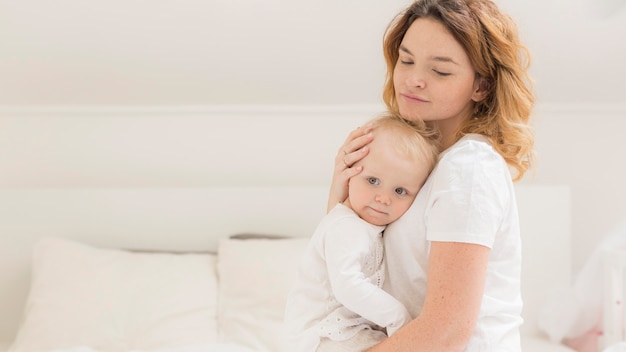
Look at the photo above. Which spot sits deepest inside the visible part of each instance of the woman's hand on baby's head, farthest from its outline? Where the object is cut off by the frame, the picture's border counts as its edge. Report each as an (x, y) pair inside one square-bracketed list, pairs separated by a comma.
[(353, 149)]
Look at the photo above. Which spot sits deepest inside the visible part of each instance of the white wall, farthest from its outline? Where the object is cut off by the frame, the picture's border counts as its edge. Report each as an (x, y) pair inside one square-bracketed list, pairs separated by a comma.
[(583, 147), (155, 53)]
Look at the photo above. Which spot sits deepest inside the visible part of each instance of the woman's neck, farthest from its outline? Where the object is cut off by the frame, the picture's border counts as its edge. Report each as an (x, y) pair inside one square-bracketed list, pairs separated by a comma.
[(448, 140), (449, 128), (449, 133)]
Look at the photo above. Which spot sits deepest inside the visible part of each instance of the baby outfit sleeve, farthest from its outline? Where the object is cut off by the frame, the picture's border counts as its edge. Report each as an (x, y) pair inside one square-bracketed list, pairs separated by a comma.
[(347, 246)]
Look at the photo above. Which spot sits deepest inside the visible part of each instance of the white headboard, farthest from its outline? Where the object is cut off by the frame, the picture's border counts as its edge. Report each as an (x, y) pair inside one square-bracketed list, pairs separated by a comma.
[(181, 179)]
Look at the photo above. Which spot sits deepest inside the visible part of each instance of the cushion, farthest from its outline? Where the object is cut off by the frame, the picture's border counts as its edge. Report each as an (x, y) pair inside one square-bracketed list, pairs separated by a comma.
[(116, 300), (256, 275)]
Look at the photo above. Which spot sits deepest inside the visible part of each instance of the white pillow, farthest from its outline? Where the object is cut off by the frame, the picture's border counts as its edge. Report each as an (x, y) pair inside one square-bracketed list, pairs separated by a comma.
[(255, 278), (115, 300)]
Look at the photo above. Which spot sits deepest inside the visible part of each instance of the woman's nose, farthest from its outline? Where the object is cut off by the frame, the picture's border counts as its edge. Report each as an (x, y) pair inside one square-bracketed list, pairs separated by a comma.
[(415, 79), (416, 82)]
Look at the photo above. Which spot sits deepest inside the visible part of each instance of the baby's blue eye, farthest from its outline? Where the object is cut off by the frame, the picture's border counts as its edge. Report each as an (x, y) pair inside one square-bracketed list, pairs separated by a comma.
[(400, 191), (373, 180)]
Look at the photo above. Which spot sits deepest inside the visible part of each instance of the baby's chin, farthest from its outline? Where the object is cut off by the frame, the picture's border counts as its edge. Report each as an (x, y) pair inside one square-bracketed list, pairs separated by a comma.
[(377, 220)]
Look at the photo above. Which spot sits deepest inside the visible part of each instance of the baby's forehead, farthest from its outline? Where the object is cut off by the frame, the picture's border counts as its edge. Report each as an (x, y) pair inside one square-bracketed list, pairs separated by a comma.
[(397, 170)]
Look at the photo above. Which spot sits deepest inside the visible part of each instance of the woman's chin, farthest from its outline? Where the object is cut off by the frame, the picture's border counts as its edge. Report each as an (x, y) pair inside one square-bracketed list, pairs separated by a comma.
[(411, 115)]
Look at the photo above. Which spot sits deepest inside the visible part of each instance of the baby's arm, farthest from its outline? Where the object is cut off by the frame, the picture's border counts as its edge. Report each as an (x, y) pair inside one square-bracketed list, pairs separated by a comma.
[(345, 250)]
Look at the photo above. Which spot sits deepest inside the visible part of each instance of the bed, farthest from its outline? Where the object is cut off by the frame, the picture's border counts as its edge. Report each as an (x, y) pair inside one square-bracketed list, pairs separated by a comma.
[(179, 230)]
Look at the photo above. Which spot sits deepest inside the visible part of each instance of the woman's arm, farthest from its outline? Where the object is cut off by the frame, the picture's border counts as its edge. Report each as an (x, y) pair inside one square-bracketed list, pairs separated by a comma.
[(456, 280), (354, 148)]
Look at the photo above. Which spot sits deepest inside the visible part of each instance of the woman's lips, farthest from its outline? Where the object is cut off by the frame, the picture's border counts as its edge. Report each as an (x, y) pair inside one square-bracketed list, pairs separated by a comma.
[(413, 98)]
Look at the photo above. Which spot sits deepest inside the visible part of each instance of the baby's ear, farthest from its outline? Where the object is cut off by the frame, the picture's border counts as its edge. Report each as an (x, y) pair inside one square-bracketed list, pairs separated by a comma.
[(482, 88)]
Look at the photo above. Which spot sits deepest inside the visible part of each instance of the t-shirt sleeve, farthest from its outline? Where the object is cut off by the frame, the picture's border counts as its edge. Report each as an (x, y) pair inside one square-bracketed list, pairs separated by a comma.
[(470, 195)]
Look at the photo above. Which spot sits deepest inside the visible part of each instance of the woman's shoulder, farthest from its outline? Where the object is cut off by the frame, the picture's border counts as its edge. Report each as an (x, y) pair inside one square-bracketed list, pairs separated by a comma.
[(472, 156), (471, 148)]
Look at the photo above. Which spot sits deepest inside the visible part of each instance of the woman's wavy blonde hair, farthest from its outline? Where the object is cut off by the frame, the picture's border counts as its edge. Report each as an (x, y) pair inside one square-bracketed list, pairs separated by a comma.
[(491, 41)]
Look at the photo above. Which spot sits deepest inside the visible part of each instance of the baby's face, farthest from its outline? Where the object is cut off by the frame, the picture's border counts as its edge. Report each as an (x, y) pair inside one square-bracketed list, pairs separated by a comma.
[(388, 184)]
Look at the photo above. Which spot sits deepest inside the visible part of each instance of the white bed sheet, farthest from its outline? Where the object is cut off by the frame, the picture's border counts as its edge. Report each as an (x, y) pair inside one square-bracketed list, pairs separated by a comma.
[(208, 347)]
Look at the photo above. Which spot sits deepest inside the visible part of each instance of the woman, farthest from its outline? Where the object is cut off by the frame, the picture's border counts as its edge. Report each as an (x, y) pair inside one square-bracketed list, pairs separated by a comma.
[(454, 258)]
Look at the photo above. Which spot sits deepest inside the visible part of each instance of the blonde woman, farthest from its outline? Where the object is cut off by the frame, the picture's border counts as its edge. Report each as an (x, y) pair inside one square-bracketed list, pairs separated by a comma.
[(453, 259)]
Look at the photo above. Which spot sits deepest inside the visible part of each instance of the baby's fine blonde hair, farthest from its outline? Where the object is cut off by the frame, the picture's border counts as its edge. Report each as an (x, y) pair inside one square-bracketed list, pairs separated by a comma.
[(411, 138)]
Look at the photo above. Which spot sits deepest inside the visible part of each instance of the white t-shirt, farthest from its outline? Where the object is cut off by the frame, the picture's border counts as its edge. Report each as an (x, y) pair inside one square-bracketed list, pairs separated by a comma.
[(469, 197), (338, 291)]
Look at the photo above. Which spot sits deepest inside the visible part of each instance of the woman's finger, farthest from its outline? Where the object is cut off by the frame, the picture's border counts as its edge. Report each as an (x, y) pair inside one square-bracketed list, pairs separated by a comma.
[(350, 158), (353, 148), (354, 140)]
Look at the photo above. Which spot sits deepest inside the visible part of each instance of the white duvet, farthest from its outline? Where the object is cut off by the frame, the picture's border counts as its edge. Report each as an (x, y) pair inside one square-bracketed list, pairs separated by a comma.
[(208, 347)]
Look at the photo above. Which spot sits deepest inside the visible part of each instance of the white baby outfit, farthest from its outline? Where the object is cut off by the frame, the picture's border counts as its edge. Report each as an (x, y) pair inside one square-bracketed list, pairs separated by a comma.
[(338, 290)]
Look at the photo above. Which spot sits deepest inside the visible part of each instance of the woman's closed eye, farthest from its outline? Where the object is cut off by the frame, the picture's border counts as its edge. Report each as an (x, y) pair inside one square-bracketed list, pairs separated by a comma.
[(441, 73)]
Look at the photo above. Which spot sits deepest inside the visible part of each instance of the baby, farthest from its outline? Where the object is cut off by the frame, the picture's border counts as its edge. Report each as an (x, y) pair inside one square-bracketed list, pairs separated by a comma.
[(338, 302)]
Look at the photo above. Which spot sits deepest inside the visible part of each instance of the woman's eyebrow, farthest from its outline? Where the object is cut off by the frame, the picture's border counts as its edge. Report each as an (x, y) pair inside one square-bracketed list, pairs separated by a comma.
[(443, 59), (404, 49), (433, 57)]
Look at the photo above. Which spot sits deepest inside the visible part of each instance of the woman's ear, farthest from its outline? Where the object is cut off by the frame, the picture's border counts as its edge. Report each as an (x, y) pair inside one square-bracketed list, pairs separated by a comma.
[(482, 88)]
